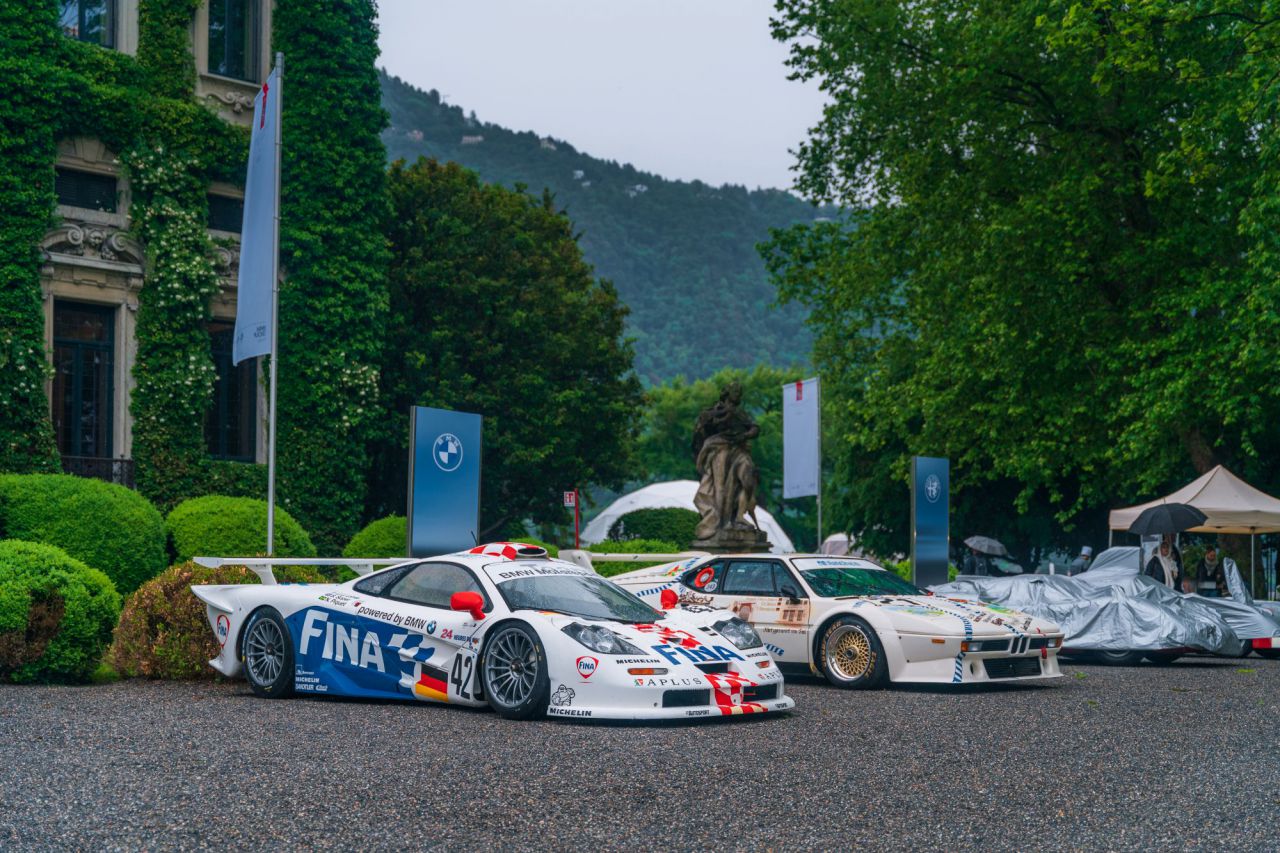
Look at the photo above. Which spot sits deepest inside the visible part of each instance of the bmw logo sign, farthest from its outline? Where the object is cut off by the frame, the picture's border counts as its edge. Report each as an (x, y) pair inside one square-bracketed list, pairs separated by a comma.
[(447, 451), (932, 488)]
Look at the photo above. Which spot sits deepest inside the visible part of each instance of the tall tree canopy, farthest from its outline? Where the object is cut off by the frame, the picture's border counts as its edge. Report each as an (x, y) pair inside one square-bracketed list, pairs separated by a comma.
[(1062, 268), (494, 311)]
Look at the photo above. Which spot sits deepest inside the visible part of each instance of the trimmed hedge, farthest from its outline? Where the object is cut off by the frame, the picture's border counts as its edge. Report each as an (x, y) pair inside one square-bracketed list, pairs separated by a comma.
[(665, 524), (56, 614), (110, 528), (236, 479), (631, 546), (164, 632), (385, 537), (221, 526)]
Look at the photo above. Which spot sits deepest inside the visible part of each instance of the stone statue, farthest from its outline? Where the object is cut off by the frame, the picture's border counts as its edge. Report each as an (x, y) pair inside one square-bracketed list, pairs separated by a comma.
[(728, 477)]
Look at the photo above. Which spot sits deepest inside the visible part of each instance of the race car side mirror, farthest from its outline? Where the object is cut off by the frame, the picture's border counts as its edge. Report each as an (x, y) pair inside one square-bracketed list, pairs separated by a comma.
[(669, 599), (468, 601), (791, 593)]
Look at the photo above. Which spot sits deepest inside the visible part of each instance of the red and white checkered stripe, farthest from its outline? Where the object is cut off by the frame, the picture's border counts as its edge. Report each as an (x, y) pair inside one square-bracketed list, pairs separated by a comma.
[(671, 636), (506, 550), (726, 690)]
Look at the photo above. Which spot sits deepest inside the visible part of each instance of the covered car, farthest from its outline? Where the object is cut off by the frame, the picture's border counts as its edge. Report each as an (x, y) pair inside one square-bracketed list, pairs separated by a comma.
[(500, 625), (1120, 615), (856, 624)]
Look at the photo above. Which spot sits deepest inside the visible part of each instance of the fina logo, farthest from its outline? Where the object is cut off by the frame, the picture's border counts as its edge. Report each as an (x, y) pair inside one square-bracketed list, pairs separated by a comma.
[(447, 451), (932, 488)]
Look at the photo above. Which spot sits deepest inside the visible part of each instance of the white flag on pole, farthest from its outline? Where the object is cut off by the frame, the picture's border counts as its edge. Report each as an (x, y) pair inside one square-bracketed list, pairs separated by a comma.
[(801, 443), (257, 236)]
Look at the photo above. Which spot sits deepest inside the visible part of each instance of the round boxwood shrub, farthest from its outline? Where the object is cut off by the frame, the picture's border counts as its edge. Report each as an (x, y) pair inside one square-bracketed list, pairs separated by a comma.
[(382, 538), (164, 632), (111, 528), (56, 614), (631, 546), (220, 526), (667, 524)]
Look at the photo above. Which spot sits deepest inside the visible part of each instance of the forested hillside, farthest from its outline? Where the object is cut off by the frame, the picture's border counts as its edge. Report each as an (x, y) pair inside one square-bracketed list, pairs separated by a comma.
[(682, 254)]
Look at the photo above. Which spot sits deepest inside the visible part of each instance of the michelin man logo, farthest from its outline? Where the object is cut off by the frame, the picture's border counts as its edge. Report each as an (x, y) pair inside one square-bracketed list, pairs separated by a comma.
[(447, 451), (563, 696), (932, 488)]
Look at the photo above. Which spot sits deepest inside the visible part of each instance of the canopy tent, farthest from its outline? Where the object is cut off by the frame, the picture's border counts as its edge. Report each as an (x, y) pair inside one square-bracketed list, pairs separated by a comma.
[(1231, 504), (675, 493)]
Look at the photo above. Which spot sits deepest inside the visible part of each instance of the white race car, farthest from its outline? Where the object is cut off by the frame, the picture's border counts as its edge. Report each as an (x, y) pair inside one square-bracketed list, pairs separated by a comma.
[(856, 623), (501, 625)]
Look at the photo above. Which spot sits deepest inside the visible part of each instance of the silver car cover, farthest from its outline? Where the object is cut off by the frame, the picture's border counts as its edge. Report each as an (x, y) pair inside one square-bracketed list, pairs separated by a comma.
[(1114, 607)]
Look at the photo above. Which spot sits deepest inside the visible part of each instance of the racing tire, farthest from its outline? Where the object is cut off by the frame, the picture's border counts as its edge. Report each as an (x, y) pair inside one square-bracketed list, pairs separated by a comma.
[(851, 655), (514, 672), (1118, 658), (1162, 658), (1269, 654), (267, 651)]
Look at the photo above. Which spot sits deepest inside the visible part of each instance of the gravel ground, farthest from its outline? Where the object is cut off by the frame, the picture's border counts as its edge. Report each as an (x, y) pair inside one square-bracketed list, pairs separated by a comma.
[(1179, 757)]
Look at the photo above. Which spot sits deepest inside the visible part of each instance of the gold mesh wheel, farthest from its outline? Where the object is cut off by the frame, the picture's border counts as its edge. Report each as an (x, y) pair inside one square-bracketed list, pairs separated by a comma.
[(849, 652)]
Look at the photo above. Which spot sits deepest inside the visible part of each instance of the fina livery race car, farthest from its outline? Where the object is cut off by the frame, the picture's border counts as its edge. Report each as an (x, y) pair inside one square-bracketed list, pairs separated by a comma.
[(856, 623), (501, 625)]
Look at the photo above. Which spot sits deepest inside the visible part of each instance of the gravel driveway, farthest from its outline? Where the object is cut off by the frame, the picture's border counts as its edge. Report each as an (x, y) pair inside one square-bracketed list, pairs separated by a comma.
[(1185, 756)]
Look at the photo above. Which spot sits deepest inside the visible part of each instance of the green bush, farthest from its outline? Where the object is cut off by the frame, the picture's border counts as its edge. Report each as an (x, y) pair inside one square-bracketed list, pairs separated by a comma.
[(110, 528), (385, 537), (631, 546), (903, 570), (220, 526), (56, 614), (163, 630), (667, 524)]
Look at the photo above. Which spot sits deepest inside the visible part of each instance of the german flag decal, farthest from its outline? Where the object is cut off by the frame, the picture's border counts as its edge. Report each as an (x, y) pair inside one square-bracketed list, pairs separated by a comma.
[(433, 684)]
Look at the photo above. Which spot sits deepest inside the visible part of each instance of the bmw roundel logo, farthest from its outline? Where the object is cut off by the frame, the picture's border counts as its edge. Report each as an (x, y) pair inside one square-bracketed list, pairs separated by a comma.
[(932, 488), (447, 451)]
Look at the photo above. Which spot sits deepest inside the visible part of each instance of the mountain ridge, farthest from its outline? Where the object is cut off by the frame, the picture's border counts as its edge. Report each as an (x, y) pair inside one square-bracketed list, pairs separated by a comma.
[(681, 253)]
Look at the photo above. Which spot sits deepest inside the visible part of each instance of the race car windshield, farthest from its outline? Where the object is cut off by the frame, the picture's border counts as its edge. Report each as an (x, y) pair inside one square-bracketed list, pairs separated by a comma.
[(576, 595), (836, 583)]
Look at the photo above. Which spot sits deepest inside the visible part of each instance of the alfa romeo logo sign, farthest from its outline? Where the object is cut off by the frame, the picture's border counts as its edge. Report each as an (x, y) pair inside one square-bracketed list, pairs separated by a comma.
[(932, 488), (447, 451)]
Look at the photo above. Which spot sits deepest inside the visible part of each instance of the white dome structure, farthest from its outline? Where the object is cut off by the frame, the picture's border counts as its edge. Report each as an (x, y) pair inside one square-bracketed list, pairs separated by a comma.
[(679, 494)]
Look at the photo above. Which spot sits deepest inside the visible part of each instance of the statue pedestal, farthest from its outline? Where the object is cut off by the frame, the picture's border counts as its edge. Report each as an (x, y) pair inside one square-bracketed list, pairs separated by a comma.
[(730, 540)]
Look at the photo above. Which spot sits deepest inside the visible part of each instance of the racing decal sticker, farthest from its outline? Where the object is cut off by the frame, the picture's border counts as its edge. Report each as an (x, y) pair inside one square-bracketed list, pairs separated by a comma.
[(776, 651), (223, 630), (587, 666), (958, 675), (431, 627), (703, 578), (432, 684), (697, 654), (563, 697), (726, 692)]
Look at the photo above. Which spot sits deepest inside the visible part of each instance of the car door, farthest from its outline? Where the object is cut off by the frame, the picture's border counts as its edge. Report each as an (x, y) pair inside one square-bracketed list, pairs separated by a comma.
[(439, 648), (763, 592)]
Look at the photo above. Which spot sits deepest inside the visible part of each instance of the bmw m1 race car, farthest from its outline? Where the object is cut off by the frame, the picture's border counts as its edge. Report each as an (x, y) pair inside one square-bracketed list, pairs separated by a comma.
[(856, 623), (501, 625)]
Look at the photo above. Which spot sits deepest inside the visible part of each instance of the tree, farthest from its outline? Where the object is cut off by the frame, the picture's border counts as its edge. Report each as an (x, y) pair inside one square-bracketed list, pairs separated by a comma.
[(666, 437), (333, 299), (494, 311), (1060, 269)]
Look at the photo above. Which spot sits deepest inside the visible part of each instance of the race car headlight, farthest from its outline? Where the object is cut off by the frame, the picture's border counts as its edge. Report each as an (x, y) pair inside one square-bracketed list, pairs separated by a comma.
[(600, 639), (740, 633)]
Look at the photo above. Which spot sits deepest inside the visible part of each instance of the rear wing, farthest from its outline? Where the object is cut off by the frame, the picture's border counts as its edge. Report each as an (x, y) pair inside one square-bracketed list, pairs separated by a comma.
[(262, 566), (585, 558)]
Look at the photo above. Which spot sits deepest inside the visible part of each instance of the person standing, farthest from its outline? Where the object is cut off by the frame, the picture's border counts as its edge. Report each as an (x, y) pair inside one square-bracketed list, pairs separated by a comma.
[(1081, 563), (1162, 568), (1211, 579)]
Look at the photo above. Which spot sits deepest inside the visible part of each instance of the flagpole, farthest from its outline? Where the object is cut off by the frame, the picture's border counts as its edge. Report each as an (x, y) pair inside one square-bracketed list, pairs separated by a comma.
[(817, 387), (275, 321)]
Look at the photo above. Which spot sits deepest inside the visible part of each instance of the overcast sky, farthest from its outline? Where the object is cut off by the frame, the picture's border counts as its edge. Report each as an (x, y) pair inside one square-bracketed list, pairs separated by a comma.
[(683, 88)]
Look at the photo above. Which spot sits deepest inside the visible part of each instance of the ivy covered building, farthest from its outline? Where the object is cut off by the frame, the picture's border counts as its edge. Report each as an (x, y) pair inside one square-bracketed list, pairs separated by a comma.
[(122, 151), (93, 268)]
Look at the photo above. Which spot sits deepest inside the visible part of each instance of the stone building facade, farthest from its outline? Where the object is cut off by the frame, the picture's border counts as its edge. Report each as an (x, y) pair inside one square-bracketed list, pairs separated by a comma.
[(93, 270)]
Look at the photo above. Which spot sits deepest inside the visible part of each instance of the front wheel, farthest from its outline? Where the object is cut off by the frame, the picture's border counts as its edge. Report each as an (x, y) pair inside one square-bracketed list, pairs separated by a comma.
[(851, 654), (268, 654), (515, 672)]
